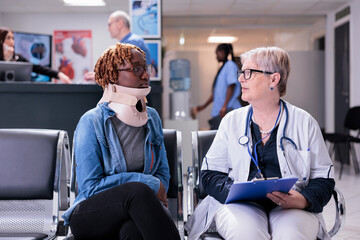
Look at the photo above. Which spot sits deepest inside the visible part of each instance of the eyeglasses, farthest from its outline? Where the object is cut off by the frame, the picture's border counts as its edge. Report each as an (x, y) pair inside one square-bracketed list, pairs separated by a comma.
[(138, 70), (247, 73)]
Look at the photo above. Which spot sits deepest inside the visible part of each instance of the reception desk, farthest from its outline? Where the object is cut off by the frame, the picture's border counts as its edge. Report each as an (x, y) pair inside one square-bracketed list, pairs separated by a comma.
[(52, 106)]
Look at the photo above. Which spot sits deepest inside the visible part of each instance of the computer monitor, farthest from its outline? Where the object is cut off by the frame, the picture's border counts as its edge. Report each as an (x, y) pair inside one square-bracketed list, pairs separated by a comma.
[(36, 48), (15, 71)]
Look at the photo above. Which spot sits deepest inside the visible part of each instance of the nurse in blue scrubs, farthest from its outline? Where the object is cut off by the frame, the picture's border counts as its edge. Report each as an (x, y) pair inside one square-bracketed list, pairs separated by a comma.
[(225, 89)]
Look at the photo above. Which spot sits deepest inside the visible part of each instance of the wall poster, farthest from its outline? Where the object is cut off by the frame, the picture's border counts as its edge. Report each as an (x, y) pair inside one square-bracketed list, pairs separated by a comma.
[(146, 18), (73, 53), (155, 53)]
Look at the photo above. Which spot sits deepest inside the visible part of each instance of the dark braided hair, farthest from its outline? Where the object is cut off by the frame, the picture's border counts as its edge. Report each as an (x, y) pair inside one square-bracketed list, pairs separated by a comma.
[(228, 49), (106, 66)]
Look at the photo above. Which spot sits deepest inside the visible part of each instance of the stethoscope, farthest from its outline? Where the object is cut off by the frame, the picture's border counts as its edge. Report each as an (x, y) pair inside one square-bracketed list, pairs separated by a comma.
[(244, 140)]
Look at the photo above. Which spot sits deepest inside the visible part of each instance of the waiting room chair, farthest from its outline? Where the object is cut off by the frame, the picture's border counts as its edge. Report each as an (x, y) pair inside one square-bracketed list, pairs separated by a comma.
[(172, 141), (173, 146), (32, 182), (201, 142), (341, 144)]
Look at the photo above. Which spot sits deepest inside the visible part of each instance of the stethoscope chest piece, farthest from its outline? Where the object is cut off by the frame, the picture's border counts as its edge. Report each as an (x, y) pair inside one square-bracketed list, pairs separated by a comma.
[(243, 140)]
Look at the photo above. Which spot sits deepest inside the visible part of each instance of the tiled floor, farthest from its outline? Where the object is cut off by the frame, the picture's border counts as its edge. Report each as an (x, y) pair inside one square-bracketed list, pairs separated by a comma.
[(349, 185)]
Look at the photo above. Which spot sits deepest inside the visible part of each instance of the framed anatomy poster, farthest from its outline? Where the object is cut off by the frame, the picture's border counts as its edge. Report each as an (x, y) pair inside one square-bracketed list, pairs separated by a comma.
[(73, 53), (146, 18), (155, 53)]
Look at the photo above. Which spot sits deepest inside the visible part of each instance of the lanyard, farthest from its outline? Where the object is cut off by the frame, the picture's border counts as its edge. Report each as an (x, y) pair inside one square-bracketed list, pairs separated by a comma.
[(256, 160)]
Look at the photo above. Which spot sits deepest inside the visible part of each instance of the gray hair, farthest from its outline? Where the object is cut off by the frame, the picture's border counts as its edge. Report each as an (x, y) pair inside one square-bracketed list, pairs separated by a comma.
[(121, 15), (272, 59)]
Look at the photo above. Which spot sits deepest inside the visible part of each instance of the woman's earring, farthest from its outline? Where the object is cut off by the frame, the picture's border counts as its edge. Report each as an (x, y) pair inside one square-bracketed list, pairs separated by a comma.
[(271, 88)]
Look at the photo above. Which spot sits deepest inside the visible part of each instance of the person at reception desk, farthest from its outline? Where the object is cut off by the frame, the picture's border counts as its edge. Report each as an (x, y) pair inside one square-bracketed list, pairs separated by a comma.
[(7, 53), (121, 166)]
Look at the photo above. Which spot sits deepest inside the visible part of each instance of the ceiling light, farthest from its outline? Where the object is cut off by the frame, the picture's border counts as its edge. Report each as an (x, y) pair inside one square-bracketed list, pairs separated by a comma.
[(84, 3), (221, 39), (182, 39)]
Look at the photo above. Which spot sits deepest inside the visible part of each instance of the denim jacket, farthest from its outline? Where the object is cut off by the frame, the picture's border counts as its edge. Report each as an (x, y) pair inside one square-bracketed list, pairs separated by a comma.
[(100, 162)]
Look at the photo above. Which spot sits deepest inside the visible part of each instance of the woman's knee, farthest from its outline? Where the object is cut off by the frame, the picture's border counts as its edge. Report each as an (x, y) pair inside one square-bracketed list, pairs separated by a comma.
[(242, 221), (290, 224), (138, 188)]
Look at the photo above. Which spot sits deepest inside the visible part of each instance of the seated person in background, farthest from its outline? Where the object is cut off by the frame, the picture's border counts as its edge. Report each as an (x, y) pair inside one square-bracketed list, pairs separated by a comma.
[(7, 53), (268, 138), (121, 165)]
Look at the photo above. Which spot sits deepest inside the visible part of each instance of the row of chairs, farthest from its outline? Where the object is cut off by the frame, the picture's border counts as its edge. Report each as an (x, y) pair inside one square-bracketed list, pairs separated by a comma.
[(33, 182), (38, 179)]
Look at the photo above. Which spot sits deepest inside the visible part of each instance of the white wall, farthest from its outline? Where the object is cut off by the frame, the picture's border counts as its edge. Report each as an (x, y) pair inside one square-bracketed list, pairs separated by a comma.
[(303, 40), (329, 74), (305, 87), (47, 23)]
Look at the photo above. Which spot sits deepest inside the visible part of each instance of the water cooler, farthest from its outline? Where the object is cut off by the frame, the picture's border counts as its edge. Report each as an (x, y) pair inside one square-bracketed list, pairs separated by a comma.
[(180, 84), (179, 116)]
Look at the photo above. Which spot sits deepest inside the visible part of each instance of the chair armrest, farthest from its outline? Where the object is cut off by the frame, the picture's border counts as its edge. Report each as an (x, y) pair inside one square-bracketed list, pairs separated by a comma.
[(190, 190), (340, 211)]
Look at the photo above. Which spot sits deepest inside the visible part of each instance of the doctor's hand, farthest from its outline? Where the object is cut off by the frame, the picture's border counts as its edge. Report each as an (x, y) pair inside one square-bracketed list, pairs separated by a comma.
[(293, 199), (161, 194)]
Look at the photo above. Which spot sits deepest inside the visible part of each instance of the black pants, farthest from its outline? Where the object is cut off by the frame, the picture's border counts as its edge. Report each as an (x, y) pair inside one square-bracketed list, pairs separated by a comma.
[(215, 121), (127, 211)]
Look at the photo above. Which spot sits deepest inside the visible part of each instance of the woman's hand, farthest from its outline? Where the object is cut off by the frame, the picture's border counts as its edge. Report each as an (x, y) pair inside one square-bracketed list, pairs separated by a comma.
[(89, 76), (200, 108), (8, 52), (293, 199), (161, 194), (64, 78)]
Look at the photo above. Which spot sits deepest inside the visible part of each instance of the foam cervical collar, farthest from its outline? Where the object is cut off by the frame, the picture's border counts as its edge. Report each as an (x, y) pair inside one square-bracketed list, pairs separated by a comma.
[(129, 104)]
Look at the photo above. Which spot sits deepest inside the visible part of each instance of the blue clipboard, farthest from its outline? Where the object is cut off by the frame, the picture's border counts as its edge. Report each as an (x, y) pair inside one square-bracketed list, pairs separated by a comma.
[(257, 190)]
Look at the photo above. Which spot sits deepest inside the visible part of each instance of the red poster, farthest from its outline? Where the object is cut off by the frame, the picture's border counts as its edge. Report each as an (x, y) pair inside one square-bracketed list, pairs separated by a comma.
[(73, 53)]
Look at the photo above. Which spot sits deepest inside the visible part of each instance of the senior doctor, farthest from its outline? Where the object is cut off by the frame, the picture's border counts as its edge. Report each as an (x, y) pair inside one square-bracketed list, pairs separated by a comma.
[(268, 138)]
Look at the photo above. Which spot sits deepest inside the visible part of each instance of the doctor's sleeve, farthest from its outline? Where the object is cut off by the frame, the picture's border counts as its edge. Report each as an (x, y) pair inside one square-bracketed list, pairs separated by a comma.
[(216, 184)]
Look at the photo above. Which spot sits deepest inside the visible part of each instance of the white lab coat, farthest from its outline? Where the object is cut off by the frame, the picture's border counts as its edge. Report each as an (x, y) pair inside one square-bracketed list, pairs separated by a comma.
[(310, 159)]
